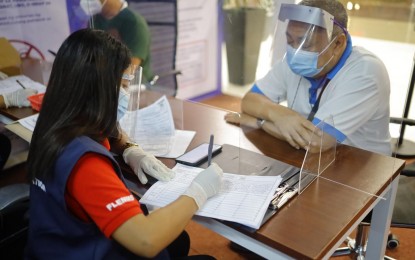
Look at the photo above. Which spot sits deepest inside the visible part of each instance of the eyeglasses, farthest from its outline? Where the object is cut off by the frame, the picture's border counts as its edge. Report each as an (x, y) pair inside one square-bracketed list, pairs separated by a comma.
[(128, 77)]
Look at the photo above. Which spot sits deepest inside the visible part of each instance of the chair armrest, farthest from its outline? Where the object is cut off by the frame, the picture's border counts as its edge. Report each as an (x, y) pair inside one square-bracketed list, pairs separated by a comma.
[(399, 120), (13, 193)]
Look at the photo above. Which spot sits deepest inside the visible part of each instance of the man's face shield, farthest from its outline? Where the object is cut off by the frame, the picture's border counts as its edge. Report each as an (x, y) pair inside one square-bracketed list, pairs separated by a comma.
[(302, 35)]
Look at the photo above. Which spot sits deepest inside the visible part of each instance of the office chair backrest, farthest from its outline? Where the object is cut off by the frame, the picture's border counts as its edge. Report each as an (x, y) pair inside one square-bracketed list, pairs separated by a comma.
[(161, 16), (14, 221)]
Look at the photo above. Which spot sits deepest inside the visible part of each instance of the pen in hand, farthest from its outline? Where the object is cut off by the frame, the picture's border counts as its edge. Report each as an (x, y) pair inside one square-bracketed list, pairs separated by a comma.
[(20, 83), (210, 150)]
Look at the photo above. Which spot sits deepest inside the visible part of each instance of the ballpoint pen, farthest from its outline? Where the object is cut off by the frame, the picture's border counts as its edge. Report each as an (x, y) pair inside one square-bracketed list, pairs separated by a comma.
[(210, 150), (284, 187), (20, 83), (284, 198)]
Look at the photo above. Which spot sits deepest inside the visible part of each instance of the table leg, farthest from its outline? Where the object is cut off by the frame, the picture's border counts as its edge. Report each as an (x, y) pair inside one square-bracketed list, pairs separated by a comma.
[(380, 224)]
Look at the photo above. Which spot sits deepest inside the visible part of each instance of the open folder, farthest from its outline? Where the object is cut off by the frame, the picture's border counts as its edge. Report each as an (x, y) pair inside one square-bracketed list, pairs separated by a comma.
[(245, 194)]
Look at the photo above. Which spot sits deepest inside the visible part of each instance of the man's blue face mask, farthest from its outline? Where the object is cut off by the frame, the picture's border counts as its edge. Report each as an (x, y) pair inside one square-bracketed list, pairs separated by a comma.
[(123, 99), (305, 63)]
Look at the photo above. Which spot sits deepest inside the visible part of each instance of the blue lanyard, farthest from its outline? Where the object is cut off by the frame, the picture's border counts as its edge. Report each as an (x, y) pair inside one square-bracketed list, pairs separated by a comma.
[(313, 111)]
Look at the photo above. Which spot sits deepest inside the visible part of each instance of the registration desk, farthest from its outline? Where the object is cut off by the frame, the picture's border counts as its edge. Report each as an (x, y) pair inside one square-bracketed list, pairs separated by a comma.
[(313, 224)]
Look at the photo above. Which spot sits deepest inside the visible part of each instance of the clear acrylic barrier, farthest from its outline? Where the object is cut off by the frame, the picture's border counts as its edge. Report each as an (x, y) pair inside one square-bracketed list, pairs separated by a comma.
[(207, 121), (154, 121), (321, 153)]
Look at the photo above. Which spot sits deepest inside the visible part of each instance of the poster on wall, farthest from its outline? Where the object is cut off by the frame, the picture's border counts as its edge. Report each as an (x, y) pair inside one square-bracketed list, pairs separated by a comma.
[(34, 27), (197, 56)]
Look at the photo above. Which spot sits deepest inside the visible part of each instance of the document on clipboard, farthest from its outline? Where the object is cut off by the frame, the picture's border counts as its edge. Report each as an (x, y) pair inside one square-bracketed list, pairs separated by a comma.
[(245, 196)]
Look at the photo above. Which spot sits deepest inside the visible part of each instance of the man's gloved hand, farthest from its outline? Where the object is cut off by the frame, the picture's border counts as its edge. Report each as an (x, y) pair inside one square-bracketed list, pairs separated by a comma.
[(18, 98), (206, 184), (142, 162)]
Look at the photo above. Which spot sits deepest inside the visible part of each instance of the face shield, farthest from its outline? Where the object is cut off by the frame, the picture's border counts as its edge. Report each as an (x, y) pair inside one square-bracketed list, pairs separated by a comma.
[(302, 37)]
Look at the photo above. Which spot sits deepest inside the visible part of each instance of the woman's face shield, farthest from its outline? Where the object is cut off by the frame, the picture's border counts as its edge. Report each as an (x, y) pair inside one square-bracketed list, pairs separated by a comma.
[(303, 34)]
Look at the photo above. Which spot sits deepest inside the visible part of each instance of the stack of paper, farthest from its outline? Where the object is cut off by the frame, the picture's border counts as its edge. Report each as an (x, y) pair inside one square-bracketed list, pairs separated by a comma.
[(18, 82)]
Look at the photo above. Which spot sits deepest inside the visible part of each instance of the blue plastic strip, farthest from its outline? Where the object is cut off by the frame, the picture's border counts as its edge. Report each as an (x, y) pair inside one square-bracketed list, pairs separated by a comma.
[(255, 89), (329, 129)]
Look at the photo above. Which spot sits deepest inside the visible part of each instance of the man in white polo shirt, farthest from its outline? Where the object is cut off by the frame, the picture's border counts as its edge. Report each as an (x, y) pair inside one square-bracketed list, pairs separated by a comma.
[(321, 75)]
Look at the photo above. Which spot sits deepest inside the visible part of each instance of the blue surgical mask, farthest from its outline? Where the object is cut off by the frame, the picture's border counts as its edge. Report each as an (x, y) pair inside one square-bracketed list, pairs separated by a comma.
[(123, 99), (304, 63)]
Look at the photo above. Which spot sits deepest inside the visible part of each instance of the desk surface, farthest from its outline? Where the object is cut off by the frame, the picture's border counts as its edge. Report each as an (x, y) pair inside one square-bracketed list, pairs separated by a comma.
[(313, 222)]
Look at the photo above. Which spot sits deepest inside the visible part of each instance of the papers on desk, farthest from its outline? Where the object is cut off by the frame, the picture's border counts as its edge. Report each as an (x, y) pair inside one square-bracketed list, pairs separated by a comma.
[(24, 127), (11, 84), (243, 198), (153, 129), (29, 122)]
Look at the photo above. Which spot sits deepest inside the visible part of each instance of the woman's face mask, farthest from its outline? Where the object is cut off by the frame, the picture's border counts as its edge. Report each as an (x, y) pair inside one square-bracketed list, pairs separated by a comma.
[(91, 7), (123, 99), (305, 63)]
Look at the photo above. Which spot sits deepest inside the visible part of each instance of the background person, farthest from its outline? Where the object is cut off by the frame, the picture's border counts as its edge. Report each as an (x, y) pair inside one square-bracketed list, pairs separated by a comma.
[(79, 204), (123, 23), (321, 66)]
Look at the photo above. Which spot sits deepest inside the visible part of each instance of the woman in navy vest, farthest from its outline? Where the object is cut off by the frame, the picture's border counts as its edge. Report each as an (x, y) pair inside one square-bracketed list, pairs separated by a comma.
[(80, 207)]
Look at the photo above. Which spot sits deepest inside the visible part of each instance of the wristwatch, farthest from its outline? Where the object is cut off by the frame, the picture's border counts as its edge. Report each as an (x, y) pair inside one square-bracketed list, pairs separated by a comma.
[(128, 145), (260, 122)]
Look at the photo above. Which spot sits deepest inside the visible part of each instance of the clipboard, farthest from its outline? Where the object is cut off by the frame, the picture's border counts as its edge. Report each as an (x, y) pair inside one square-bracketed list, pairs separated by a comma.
[(247, 162)]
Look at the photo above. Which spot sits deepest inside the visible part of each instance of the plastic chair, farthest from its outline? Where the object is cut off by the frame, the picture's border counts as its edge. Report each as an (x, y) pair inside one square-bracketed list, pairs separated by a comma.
[(161, 17)]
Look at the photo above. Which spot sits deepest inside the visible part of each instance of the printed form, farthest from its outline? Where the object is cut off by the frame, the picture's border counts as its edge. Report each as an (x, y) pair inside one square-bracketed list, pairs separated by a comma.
[(243, 198), (153, 129)]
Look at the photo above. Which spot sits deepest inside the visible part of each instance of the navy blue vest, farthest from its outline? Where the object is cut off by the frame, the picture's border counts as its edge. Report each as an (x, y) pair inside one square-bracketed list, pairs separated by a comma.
[(54, 232)]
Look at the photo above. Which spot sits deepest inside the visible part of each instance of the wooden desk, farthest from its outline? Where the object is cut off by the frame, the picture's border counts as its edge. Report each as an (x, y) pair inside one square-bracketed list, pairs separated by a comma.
[(316, 222)]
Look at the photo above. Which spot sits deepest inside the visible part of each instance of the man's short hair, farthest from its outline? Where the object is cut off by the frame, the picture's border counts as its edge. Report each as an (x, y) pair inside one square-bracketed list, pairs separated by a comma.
[(333, 7)]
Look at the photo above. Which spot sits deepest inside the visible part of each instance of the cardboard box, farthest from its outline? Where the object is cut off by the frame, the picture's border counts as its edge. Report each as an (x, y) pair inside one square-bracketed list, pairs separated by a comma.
[(10, 61)]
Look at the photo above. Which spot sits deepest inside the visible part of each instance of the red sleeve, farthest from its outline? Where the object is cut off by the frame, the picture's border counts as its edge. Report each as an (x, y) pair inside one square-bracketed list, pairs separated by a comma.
[(94, 192)]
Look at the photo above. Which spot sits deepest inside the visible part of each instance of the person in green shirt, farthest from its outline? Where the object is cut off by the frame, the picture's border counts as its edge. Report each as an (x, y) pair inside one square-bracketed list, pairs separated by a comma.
[(115, 17)]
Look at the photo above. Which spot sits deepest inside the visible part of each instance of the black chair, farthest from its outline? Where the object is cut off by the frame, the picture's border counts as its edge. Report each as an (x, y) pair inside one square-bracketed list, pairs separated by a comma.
[(161, 17), (14, 220), (403, 148)]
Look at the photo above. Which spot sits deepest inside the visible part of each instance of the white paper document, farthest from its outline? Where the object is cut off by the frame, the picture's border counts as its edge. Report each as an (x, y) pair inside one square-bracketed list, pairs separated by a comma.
[(153, 129), (29, 122), (11, 84), (243, 198)]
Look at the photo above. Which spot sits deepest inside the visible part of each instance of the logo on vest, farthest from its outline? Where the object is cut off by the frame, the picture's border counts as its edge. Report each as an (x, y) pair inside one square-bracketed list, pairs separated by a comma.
[(39, 183), (119, 202)]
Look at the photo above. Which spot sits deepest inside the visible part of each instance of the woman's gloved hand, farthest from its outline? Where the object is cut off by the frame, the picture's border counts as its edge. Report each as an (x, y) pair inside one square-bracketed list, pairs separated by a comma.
[(206, 184), (142, 162), (18, 98)]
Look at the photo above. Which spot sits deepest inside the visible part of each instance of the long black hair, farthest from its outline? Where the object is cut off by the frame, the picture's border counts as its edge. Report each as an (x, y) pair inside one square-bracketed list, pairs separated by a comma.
[(81, 98)]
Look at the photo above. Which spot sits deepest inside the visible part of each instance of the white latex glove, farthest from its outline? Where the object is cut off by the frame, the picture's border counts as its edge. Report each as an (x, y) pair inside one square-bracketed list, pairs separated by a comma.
[(18, 98), (206, 184), (142, 162)]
